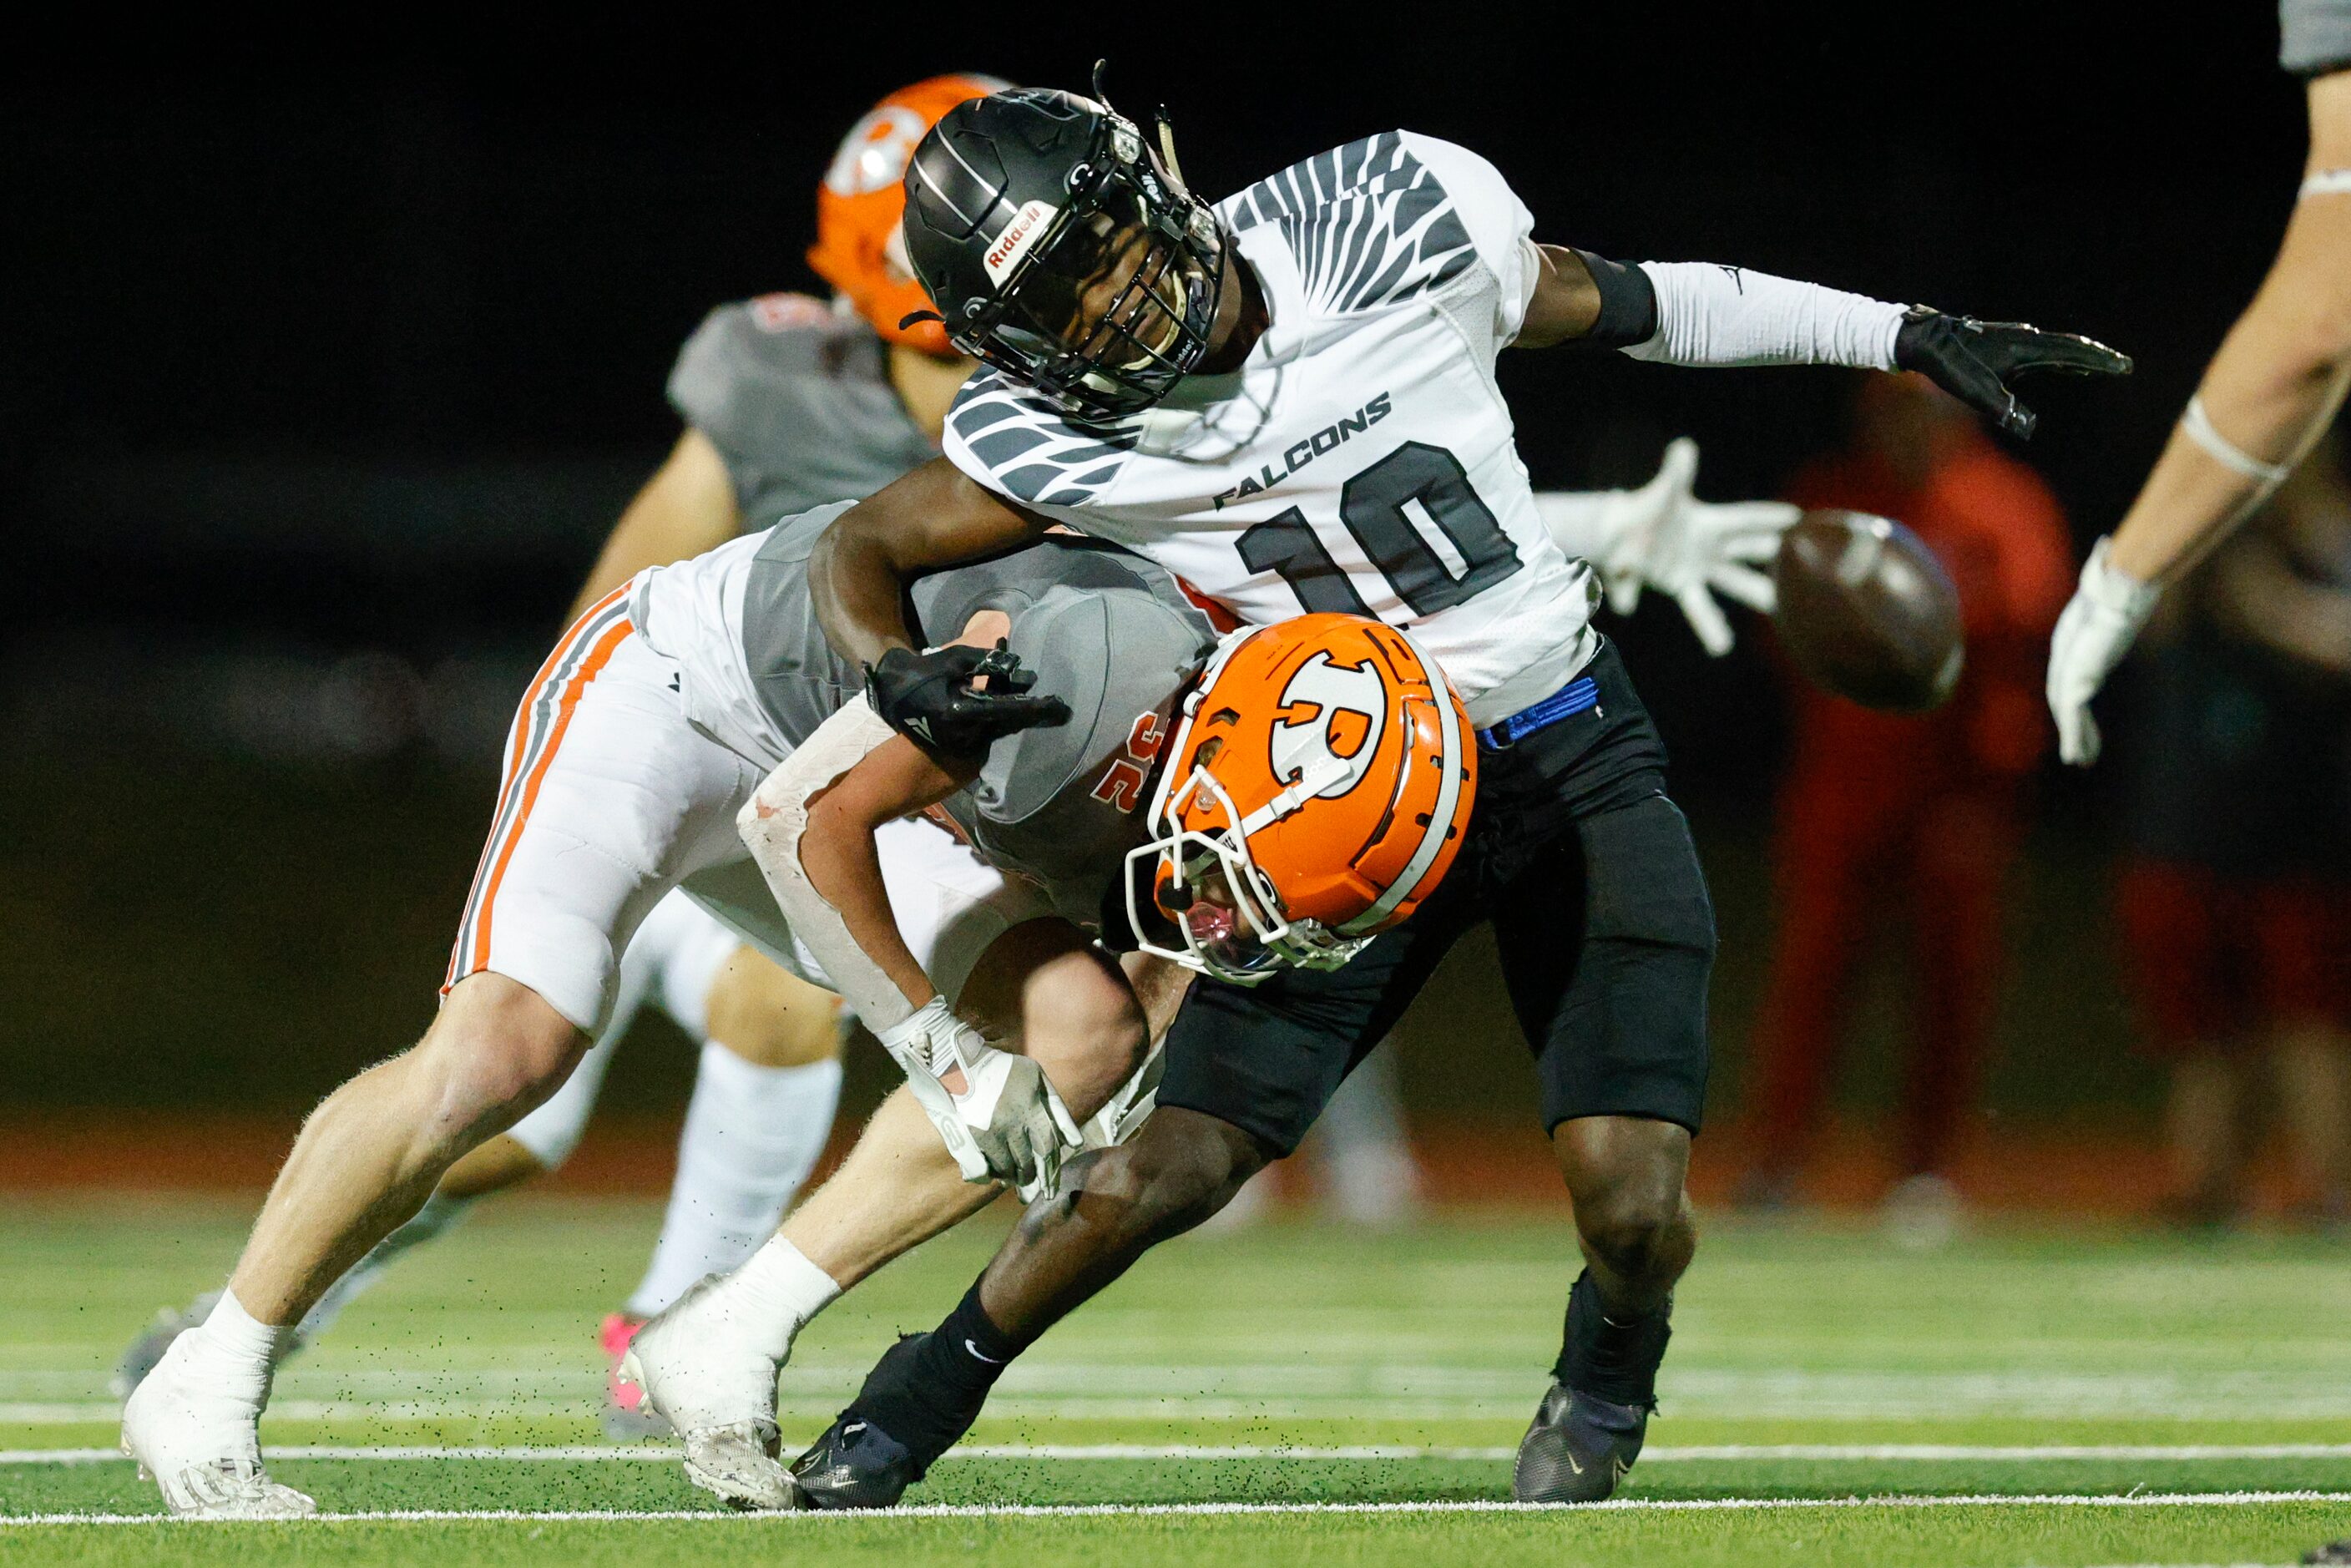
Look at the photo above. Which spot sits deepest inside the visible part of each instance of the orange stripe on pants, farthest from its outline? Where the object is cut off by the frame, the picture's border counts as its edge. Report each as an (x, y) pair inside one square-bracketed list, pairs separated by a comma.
[(500, 850)]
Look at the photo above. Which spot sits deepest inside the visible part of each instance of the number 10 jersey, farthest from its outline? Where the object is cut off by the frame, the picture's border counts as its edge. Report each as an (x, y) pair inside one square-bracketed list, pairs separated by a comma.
[(1362, 458)]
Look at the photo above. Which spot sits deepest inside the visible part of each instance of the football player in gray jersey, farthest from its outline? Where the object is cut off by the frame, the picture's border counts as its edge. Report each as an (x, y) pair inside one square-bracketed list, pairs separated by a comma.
[(787, 401), (643, 744), (2265, 400)]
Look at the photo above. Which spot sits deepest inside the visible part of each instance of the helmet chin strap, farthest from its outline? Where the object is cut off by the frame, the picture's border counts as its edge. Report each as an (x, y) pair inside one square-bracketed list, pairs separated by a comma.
[(1165, 131)]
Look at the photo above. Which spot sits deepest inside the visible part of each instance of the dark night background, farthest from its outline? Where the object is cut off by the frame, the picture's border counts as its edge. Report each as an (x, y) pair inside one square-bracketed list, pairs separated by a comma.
[(321, 382)]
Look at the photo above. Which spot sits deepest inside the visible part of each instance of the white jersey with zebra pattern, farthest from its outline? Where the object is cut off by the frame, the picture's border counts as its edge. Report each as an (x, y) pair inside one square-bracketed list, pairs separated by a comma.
[(1363, 458)]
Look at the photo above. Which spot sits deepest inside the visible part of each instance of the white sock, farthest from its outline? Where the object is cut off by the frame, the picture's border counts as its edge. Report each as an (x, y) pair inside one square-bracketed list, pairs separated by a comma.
[(435, 1217), (752, 1136), (776, 1294), (233, 1352)]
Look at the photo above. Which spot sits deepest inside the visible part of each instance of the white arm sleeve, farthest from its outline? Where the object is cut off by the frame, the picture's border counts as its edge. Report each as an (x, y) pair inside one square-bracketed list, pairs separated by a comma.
[(1710, 315), (771, 825)]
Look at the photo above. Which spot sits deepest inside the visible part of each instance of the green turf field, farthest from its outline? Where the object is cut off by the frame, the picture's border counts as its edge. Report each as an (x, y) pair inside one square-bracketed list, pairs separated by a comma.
[(1281, 1395)]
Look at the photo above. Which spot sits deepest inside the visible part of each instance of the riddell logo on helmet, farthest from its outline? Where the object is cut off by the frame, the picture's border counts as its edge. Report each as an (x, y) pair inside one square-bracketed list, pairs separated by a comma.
[(1017, 238)]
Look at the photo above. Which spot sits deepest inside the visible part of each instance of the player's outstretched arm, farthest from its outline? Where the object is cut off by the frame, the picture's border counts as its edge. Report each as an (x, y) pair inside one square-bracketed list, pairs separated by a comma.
[(2268, 394), (1698, 313), (2277, 380), (686, 509)]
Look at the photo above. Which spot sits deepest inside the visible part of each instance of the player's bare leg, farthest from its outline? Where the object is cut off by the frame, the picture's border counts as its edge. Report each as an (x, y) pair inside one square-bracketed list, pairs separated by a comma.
[(899, 1186), (2204, 1125), (1633, 1220), (708, 1364), (372, 1149), (765, 1093), (2312, 1063), (366, 1160), (1115, 1204)]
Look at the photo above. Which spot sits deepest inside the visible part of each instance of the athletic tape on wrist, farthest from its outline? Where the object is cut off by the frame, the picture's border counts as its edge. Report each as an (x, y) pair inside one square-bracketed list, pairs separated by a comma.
[(2198, 426), (2326, 182), (771, 824)]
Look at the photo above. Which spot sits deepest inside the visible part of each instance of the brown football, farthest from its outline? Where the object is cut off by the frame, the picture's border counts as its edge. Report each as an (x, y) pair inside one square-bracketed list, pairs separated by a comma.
[(1867, 612)]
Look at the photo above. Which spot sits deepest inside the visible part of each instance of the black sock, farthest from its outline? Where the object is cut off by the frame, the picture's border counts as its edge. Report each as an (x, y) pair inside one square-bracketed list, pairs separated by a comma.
[(1615, 1359), (927, 1390)]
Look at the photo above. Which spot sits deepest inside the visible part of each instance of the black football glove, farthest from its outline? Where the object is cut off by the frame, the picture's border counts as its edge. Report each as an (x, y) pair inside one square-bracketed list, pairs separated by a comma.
[(930, 697), (1973, 360)]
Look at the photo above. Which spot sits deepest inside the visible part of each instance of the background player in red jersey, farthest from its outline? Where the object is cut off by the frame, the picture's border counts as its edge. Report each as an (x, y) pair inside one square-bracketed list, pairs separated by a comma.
[(1876, 806)]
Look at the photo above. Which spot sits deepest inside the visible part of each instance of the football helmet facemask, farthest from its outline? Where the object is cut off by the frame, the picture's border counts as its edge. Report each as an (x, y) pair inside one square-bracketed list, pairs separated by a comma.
[(1318, 788), (1064, 251)]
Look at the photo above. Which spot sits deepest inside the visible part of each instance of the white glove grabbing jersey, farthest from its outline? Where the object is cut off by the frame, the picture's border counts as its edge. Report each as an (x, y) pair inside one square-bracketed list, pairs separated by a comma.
[(2094, 633)]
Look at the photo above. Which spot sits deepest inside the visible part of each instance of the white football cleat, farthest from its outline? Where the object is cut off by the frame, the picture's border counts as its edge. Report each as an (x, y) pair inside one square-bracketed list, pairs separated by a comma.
[(199, 1442), (702, 1373)]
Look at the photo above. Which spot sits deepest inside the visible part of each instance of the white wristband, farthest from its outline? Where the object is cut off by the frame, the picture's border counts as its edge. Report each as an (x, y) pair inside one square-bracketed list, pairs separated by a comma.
[(2326, 182), (2197, 425)]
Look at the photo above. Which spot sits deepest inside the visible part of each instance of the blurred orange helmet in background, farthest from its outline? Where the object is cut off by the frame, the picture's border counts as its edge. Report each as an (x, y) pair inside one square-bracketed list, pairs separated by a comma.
[(858, 249), (1318, 788)]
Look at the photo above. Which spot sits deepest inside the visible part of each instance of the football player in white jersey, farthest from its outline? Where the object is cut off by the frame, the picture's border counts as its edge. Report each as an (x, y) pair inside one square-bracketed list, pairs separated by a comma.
[(788, 403), (1289, 400)]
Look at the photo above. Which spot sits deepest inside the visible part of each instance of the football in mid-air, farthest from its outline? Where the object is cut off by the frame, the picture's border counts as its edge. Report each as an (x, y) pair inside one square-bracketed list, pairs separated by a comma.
[(1866, 612)]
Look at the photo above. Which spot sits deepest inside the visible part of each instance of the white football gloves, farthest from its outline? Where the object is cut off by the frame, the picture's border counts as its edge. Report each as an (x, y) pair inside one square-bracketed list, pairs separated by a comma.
[(1663, 537), (1008, 1124), (2096, 630)]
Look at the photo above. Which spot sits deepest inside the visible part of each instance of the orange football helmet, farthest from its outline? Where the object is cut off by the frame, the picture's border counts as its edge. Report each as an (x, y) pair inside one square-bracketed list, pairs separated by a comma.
[(858, 248), (1319, 787)]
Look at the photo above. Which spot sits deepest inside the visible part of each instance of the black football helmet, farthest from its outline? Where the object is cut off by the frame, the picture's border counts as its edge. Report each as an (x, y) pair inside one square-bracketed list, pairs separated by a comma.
[(1063, 250)]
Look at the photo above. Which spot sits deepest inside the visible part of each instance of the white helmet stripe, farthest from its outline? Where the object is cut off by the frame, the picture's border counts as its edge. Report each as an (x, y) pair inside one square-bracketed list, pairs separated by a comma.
[(1440, 821)]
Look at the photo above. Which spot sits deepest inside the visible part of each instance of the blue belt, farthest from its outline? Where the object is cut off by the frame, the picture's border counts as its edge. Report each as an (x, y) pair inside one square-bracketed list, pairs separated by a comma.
[(1581, 695)]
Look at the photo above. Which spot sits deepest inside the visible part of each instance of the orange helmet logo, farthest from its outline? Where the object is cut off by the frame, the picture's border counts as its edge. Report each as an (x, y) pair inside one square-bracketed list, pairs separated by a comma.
[(858, 249), (1317, 791)]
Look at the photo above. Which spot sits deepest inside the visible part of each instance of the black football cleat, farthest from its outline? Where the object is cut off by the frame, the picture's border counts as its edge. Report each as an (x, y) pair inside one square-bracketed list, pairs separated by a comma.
[(1578, 1449), (2333, 1552), (855, 1465)]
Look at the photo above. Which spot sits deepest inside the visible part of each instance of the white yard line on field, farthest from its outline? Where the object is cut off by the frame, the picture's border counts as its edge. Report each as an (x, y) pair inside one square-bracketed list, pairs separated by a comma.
[(1203, 1510), (1831, 1453), (2333, 1407), (2312, 1392)]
